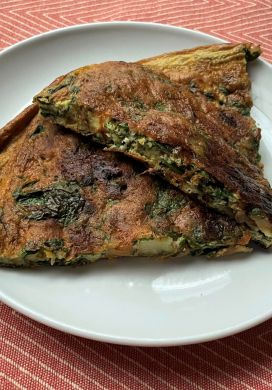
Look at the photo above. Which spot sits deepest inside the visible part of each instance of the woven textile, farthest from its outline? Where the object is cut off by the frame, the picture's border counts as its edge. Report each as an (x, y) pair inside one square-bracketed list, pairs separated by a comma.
[(33, 356)]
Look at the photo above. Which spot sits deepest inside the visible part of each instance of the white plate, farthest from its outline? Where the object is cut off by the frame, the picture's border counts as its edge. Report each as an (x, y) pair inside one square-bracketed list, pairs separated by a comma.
[(134, 301)]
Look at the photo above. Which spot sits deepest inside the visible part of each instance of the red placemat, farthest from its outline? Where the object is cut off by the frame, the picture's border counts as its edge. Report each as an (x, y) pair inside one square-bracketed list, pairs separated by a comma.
[(33, 356)]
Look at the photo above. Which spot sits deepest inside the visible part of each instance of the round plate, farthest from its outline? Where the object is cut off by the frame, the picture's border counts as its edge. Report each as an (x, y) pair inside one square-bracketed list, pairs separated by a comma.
[(134, 301)]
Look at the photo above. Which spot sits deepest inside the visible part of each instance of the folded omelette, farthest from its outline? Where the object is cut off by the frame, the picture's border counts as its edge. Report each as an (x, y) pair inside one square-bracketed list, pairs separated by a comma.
[(65, 200), (196, 138)]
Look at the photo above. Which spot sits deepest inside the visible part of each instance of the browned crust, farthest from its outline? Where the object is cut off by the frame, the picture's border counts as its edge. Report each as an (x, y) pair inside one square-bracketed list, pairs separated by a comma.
[(223, 47), (12, 128), (183, 125), (115, 190), (217, 75), (210, 68)]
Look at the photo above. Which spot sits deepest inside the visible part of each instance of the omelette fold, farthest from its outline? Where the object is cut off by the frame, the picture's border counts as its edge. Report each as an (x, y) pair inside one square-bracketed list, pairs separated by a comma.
[(204, 144)]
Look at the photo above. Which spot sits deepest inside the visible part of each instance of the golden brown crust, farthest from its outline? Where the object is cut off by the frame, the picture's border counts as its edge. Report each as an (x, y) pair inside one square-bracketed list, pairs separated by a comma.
[(114, 206), (110, 90), (118, 204), (217, 69), (12, 128), (217, 75)]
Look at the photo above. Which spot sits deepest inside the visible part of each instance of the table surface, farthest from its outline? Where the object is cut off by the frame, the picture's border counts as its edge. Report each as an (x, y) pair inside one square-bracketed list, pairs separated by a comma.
[(33, 356)]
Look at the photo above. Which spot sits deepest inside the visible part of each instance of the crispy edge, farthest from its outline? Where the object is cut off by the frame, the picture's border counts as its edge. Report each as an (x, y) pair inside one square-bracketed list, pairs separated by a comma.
[(17, 124)]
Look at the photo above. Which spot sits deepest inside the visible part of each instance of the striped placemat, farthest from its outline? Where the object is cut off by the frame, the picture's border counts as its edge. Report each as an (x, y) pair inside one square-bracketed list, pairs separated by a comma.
[(33, 356), (233, 20)]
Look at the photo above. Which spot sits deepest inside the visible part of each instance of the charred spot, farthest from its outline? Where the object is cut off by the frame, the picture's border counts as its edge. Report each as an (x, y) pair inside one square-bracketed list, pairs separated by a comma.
[(110, 175), (88, 180), (108, 172), (84, 239), (228, 119), (116, 188), (214, 229), (123, 187)]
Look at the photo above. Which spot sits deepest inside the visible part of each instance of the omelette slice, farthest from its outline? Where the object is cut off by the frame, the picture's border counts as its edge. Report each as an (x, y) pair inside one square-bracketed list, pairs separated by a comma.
[(217, 75), (219, 72), (131, 109), (66, 201)]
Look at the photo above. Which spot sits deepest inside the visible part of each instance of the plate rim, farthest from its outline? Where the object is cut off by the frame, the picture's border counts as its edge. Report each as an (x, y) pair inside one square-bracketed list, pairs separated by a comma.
[(129, 341), (118, 23), (134, 341)]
